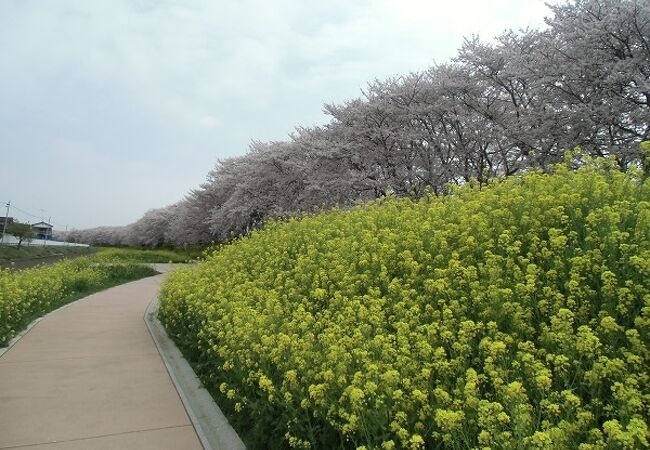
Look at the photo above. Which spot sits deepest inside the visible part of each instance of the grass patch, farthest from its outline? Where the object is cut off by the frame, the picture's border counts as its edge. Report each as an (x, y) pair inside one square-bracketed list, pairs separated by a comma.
[(150, 255), (10, 253)]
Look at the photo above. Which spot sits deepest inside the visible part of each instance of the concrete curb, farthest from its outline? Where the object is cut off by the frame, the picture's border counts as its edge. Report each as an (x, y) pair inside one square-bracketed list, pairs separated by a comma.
[(212, 427)]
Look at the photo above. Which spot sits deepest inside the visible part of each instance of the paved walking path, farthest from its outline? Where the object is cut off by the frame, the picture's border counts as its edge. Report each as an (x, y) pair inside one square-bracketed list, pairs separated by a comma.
[(90, 376)]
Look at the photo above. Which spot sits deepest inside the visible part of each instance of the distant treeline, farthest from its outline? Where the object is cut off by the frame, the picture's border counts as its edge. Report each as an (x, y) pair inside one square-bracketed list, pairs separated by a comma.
[(494, 110)]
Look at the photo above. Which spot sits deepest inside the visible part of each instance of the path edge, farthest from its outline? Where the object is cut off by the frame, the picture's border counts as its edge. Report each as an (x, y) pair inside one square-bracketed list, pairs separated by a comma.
[(210, 424), (14, 340)]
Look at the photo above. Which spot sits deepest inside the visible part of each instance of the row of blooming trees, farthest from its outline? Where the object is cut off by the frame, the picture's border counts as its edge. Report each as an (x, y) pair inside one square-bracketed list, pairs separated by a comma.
[(497, 108)]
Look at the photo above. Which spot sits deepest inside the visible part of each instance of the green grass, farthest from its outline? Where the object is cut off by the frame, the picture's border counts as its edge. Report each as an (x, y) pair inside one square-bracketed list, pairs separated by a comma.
[(150, 255), (10, 253)]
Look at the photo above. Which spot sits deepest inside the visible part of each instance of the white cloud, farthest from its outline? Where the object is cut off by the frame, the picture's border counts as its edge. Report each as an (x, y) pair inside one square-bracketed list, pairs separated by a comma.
[(209, 121), (156, 86)]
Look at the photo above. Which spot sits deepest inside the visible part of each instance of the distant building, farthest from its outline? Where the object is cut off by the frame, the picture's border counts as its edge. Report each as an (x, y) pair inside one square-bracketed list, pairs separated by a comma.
[(43, 230), (10, 220)]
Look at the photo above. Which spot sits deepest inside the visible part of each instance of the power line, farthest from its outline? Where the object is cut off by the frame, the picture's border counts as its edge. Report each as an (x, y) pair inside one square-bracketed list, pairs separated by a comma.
[(25, 212), (36, 216)]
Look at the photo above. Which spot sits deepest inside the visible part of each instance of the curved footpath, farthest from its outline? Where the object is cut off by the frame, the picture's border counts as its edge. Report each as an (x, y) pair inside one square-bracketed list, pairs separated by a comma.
[(90, 376)]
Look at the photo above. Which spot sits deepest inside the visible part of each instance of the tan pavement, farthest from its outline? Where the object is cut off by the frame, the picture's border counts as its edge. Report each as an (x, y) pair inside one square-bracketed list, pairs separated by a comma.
[(90, 377)]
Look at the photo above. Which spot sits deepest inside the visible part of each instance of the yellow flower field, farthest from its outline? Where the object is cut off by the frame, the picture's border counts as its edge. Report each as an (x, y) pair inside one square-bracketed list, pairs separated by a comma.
[(516, 316), (25, 295)]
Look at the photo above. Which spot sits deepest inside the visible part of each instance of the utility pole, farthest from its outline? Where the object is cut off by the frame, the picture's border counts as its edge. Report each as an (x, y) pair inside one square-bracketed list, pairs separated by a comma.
[(4, 226)]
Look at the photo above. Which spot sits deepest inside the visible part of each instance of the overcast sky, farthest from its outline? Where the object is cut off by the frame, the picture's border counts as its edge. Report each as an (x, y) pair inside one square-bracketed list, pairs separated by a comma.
[(110, 108)]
